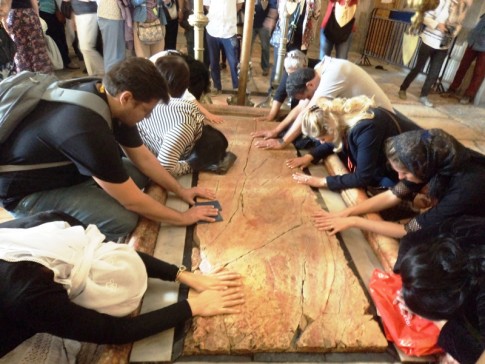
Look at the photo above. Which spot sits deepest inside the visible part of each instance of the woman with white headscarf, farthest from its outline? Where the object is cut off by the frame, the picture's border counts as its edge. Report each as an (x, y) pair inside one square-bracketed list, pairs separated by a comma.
[(66, 281)]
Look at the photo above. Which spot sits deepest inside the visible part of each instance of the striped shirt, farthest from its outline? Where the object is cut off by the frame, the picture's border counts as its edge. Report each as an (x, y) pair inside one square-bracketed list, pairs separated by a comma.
[(170, 132)]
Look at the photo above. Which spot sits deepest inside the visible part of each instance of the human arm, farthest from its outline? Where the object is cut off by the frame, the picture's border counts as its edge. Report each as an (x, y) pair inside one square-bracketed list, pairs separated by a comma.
[(217, 280), (273, 133), (35, 6), (365, 143), (148, 164), (281, 143), (47, 308), (316, 154), (181, 4), (273, 112), (133, 199), (213, 118)]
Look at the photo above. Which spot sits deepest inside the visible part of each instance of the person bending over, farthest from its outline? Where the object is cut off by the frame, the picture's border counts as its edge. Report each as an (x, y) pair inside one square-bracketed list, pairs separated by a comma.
[(66, 281), (431, 161), (443, 281), (357, 129), (94, 183), (171, 130), (331, 78)]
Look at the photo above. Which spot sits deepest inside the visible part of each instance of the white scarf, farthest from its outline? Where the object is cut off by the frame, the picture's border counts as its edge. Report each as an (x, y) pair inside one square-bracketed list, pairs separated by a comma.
[(107, 277)]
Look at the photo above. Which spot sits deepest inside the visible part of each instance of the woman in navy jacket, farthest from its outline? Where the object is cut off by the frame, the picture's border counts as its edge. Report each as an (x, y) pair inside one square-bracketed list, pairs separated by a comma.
[(356, 130)]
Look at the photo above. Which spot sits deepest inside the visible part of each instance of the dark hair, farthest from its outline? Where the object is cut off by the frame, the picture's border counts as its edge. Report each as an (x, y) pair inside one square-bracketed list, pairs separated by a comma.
[(296, 81), (437, 279), (176, 73), (138, 76), (433, 156), (199, 76)]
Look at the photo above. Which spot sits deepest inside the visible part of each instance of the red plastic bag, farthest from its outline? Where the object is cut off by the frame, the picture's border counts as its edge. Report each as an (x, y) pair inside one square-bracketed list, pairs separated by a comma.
[(417, 336)]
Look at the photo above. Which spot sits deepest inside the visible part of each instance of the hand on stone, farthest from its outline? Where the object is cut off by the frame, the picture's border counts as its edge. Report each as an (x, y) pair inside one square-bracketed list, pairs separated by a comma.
[(199, 213), (189, 194), (217, 280), (300, 162), (268, 117), (270, 144), (331, 224), (212, 302), (265, 134), (309, 180), (215, 119)]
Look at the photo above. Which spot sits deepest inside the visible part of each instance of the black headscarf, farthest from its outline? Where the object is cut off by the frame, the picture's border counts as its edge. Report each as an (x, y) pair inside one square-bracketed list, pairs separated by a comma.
[(433, 156)]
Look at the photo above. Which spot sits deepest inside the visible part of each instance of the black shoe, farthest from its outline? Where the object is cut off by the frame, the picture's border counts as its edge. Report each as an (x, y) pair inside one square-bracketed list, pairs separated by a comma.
[(223, 166)]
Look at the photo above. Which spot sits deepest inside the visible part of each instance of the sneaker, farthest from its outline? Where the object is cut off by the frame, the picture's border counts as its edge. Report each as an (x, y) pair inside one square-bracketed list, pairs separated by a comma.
[(223, 66), (465, 100), (216, 92), (402, 94), (425, 101)]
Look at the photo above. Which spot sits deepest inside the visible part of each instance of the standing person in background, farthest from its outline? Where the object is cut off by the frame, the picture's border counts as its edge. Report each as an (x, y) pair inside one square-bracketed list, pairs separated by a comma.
[(337, 27), (265, 15), (442, 25), (222, 33), (87, 31), (171, 14), (7, 49), (112, 27), (148, 11), (24, 27), (55, 29), (474, 51), (304, 15)]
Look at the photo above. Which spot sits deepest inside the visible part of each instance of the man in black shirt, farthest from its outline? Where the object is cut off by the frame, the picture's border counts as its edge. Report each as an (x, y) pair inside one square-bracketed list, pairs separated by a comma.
[(57, 132)]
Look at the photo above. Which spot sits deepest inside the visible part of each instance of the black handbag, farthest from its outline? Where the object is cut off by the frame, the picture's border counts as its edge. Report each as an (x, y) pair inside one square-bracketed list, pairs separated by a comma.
[(334, 32), (66, 9)]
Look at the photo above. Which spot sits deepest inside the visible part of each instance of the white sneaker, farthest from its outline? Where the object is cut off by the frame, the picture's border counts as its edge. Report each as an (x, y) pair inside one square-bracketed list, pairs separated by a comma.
[(425, 101)]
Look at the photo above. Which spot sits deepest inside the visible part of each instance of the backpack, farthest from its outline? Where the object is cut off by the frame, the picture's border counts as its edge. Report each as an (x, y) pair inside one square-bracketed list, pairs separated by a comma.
[(20, 94)]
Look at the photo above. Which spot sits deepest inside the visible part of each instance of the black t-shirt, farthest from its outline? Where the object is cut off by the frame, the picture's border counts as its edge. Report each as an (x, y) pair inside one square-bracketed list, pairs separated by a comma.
[(56, 132)]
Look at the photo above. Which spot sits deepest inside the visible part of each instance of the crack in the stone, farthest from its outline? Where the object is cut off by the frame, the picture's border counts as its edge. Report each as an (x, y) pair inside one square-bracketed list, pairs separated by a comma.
[(262, 246)]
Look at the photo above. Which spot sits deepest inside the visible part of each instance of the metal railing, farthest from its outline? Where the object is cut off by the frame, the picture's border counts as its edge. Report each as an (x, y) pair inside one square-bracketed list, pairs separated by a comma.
[(384, 37)]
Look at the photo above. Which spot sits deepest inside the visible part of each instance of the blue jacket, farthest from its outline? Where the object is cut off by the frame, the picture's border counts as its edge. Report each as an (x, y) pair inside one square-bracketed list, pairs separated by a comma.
[(365, 149), (140, 11)]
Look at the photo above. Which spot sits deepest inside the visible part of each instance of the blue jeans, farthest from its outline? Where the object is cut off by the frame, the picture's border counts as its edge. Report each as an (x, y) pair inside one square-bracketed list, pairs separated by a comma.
[(113, 34), (231, 47), (88, 203), (341, 49), (437, 57), (264, 36)]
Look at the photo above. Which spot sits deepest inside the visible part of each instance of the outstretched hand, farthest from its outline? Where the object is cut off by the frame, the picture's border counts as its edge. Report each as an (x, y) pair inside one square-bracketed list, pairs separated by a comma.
[(218, 280), (270, 144), (189, 194), (200, 213), (300, 162), (305, 179), (265, 134), (214, 302), (333, 222)]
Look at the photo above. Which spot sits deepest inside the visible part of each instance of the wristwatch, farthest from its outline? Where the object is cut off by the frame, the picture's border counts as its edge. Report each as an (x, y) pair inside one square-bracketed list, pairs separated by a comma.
[(182, 268)]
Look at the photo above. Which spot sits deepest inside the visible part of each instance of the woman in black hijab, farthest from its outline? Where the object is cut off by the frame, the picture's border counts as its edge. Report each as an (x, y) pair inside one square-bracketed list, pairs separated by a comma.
[(430, 161)]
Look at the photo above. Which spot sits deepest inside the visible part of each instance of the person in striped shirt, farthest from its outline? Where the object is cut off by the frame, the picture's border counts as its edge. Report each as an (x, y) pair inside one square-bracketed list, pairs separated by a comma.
[(171, 130)]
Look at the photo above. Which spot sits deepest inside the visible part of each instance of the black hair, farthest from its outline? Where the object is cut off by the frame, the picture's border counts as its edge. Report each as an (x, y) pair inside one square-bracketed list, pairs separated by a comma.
[(138, 76), (199, 76), (438, 279), (176, 73), (296, 81)]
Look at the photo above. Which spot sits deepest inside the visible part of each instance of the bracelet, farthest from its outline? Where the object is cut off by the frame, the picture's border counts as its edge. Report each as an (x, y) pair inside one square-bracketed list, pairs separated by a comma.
[(182, 268)]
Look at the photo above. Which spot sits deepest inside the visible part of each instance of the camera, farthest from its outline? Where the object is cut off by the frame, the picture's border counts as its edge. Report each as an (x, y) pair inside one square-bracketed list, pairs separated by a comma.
[(448, 36)]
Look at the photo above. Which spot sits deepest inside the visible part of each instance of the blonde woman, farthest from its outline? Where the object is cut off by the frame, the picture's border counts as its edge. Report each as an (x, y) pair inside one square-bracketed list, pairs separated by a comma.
[(357, 130)]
